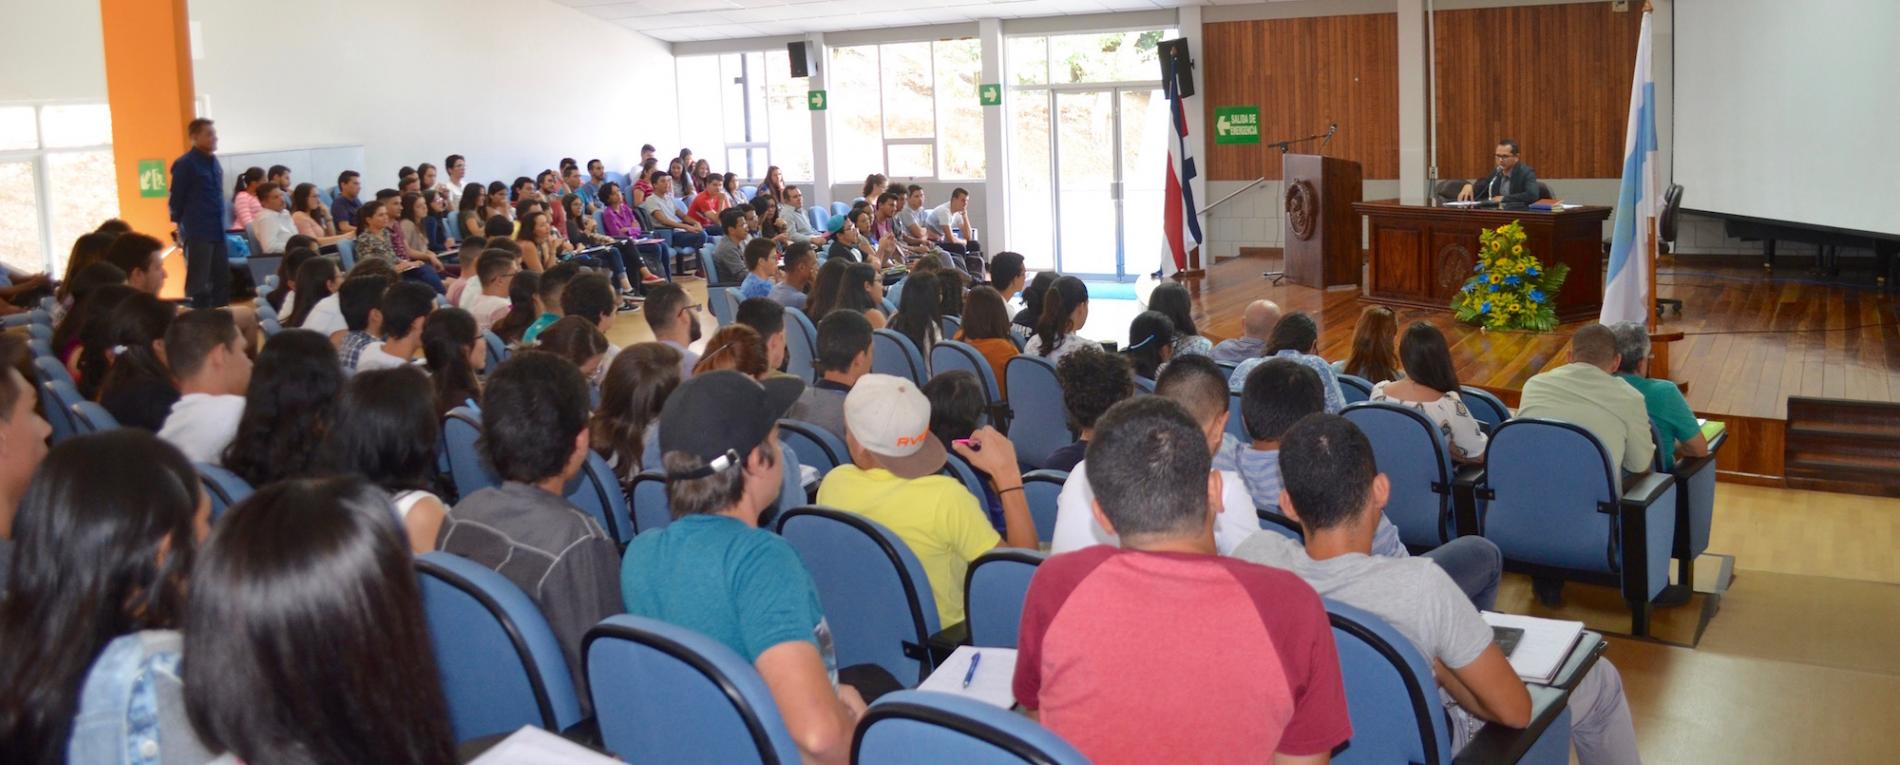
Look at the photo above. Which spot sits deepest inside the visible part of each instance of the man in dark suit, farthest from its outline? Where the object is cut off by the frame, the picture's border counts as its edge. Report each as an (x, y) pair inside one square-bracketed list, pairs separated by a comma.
[(1511, 184)]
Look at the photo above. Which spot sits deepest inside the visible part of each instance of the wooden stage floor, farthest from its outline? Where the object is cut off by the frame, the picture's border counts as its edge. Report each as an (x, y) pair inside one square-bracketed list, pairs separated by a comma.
[(1752, 339)]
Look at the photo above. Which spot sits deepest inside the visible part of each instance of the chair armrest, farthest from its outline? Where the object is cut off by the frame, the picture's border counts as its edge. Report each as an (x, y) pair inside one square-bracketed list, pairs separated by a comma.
[(1499, 744), (1465, 483), (1645, 490), (946, 640)]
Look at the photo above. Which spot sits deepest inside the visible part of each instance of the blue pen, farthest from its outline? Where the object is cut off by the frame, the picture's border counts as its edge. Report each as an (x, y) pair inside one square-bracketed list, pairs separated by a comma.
[(975, 658)]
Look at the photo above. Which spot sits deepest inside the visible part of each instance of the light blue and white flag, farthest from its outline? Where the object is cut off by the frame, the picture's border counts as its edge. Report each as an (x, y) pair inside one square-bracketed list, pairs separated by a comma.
[(1627, 293)]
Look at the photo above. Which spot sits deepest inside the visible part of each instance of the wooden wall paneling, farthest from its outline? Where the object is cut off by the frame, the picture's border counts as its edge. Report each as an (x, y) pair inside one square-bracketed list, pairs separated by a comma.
[(1554, 77), (1303, 73)]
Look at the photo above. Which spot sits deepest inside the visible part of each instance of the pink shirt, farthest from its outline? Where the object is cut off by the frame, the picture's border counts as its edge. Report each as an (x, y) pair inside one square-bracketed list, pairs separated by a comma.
[(245, 208), (1138, 657)]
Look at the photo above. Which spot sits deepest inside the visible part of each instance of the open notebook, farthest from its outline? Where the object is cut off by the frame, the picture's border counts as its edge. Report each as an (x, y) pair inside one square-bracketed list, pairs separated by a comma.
[(990, 684), (1536, 647)]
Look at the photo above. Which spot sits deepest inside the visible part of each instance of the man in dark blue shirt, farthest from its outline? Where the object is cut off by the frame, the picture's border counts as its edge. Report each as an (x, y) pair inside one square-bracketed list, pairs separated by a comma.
[(343, 208), (197, 208)]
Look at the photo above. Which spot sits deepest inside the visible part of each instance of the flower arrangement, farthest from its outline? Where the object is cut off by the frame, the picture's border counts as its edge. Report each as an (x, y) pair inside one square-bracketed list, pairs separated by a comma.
[(1509, 288)]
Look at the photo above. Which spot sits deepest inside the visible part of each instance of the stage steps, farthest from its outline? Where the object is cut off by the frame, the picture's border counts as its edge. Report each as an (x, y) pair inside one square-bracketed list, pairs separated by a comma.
[(1842, 445)]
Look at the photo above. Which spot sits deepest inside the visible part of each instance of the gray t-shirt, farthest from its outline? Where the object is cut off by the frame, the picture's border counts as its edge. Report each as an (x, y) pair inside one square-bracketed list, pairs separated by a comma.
[(729, 257), (822, 404), (1413, 595)]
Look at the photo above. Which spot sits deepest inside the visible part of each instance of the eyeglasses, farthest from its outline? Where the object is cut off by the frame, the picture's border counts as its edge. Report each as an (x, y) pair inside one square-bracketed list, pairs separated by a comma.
[(1503, 156)]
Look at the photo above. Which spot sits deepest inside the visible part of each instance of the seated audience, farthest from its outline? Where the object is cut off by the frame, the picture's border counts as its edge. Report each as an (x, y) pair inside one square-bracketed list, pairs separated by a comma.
[(525, 529), (1064, 310), (553, 283), (714, 571), (273, 227), (1006, 274), (23, 434), (314, 310), (768, 319), (844, 356), (1373, 347), (1668, 411), (388, 438), (687, 233), (592, 298), (709, 207), (579, 342), (951, 286), (290, 404), (1173, 301), (524, 308), (208, 357), (1032, 301), (761, 265), (624, 427), (97, 592), (89, 356), (496, 269), (302, 575), (1151, 344), (454, 353), (795, 277), (1199, 387), (405, 305), (849, 243), (142, 258), (373, 236), (728, 256), (895, 479), (1585, 393), (736, 347), (1092, 382), (310, 216), (986, 328), (824, 289), (1430, 387), (1256, 324), (674, 319), (359, 303), (1250, 660), (469, 209), (88, 250), (137, 388), (344, 206), (1335, 491), (283, 297), (919, 316), (1294, 338), (861, 289), (958, 406), (797, 220)]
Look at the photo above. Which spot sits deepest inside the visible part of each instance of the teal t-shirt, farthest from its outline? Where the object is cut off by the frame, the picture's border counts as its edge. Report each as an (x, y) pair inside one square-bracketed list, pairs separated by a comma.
[(1669, 412), (540, 323), (742, 586)]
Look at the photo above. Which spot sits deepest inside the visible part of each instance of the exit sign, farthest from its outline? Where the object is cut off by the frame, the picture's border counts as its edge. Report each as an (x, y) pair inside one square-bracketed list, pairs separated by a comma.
[(152, 178), (816, 100), (1236, 124)]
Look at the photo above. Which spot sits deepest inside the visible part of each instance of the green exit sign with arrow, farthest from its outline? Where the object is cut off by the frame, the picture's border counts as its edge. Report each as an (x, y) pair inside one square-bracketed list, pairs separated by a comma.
[(152, 178), (992, 94), (816, 99), (1236, 124)]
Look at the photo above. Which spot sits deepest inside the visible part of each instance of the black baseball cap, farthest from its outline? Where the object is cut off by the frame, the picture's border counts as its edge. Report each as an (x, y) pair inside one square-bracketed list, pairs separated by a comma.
[(723, 414)]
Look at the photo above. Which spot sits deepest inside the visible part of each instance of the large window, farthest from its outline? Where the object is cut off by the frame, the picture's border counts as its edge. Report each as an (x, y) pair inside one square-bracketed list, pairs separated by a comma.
[(56, 181), (908, 110), (743, 112)]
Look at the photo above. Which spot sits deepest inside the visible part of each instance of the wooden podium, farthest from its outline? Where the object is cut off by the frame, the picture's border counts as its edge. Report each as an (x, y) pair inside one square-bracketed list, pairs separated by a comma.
[(1322, 230)]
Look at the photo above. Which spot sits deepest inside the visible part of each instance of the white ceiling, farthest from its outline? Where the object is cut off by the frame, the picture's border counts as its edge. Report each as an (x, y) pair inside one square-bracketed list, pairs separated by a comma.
[(686, 20)]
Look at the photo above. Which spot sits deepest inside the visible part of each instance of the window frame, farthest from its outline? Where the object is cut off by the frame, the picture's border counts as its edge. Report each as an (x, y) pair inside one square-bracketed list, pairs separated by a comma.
[(934, 140), (751, 141), (36, 158)]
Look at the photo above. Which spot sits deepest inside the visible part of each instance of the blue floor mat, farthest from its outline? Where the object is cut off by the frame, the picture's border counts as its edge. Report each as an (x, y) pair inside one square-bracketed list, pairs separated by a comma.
[(1111, 290)]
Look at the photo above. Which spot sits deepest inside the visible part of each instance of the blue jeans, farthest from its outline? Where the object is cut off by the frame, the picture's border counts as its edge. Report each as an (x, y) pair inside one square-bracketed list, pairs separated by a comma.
[(1475, 563), (207, 272), (427, 275)]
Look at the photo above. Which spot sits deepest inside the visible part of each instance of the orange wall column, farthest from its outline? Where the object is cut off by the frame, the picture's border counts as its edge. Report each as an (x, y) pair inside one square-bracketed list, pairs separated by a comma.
[(149, 87)]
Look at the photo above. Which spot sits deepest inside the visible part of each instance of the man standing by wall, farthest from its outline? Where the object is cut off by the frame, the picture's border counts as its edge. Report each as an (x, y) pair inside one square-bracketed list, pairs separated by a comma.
[(197, 209)]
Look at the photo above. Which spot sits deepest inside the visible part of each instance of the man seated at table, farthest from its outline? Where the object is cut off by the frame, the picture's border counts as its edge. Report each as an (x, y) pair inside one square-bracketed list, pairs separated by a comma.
[(1336, 493), (1510, 184)]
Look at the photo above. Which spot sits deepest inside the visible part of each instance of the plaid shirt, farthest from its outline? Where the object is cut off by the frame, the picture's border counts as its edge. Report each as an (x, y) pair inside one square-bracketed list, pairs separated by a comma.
[(353, 345)]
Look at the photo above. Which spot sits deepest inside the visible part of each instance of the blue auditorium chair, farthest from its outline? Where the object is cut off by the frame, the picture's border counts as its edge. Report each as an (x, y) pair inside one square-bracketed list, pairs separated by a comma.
[(664, 693), (1411, 453), (1390, 693), (650, 508), (993, 592), (497, 351), (952, 355), (500, 663), (815, 446), (956, 467), (1236, 424), (223, 487), (1039, 422), (951, 325), (90, 417), (1484, 407), (876, 597), (597, 492), (1695, 509), (928, 728), (57, 398), (1355, 388), (461, 430), (725, 304), (1041, 489), (894, 354), (801, 346)]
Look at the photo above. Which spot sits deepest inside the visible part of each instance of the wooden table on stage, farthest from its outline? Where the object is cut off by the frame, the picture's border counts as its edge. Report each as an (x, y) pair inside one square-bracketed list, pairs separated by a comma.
[(1421, 256)]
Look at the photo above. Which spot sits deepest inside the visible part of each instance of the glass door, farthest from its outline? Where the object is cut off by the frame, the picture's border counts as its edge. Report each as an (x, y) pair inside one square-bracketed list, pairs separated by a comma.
[(1088, 215), (1144, 164)]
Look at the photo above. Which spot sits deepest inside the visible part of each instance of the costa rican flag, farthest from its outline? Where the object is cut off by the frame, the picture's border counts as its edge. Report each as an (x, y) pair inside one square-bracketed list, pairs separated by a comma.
[(1180, 228)]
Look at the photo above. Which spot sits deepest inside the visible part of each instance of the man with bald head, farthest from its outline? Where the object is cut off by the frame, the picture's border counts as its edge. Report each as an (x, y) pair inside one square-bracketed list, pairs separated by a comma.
[(1255, 325)]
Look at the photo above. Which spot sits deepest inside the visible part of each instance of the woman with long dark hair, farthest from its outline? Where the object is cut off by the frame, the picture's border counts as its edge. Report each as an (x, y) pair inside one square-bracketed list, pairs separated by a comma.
[(311, 215), (729, 184), (861, 289), (638, 383), (919, 317), (137, 388), (1150, 343), (468, 214), (986, 328), (773, 186), (245, 206), (1065, 308), (105, 539), (824, 289), (1430, 386), (313, 580), (453, 349), (287, 409), (95, 336), (389, 438), (1032, 299), (1373, 356), (524, 307), (281, 297), (318, 277), (874, 185), (1173, 301)]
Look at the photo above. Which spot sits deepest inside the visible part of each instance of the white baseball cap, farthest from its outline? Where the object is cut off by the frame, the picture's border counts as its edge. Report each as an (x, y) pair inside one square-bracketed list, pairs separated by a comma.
[(890, 418)]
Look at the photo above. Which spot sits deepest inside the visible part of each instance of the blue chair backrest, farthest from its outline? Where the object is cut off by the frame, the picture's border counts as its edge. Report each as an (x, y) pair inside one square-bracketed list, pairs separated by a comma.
[(874, 591), (597, 492), (748, 191), (1411, 453), (346, 252), (38, 331), (328, 193), (42, 349), (650, 508), (1390, 693), (801, 345), (1144, 385), (815, 446), (956, 467), (894, 354), (1549, 480), (889, 306), (1695, 492), (223, 487), (270, 325), (820, 219), (840, 208), (1355, 388), (668, 694), (497, 351), (56, 399), (725, 303), (1484, 407), (928, 728), (501, 665), (1280, 524), (1039, 422), (461, 431), (1041, 489), (952, 355), (1236, 424), (90, 417), (993, 592), (951, 325), (50, 370)]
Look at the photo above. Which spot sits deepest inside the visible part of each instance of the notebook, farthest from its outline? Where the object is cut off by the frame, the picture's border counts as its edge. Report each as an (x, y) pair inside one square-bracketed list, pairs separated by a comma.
[(1543, 646), (1710, 428), (992, 682)]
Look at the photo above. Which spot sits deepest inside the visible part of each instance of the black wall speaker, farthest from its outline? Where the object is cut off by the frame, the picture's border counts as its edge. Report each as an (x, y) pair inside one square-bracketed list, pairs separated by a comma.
[(1176, 64), (797, 52)]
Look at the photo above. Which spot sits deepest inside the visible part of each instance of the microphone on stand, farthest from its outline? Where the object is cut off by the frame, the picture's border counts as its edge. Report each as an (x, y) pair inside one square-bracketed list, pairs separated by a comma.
[(1330, 130)]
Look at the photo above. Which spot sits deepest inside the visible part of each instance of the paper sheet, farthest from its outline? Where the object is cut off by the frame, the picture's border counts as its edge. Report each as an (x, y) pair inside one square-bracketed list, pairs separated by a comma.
[(991, 685), (1545, 645), (535, 746)]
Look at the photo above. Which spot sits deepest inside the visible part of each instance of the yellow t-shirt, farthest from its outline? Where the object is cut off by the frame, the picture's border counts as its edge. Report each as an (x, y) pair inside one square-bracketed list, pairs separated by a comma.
[(935, 515)]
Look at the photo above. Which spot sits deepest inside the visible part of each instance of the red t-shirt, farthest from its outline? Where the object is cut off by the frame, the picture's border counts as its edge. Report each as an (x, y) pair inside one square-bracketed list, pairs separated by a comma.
[(1144, 657), (705, 208)]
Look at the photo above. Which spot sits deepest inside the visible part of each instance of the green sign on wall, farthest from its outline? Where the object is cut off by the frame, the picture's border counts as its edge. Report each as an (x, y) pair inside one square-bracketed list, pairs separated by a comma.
[(992, 94), (816, 99), (1236, 124), (152, 178)]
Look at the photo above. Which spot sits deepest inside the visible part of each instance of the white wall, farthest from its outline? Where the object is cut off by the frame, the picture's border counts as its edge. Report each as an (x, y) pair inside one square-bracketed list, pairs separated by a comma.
[(52, 51), (514, 85)]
